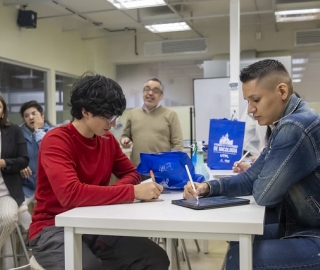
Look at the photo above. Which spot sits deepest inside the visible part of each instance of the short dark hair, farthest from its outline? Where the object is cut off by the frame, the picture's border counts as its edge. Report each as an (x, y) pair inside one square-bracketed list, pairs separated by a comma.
[(30, 104), (266, 68), (4, 119), (98, 95), (156, 80)]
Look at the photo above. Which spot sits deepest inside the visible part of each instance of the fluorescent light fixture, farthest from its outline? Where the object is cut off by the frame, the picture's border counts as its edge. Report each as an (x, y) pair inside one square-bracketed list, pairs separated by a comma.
[(131, 4), (168, 27), (296, 76), (297, 15), (296, 80), (297, 69), (299, 61)]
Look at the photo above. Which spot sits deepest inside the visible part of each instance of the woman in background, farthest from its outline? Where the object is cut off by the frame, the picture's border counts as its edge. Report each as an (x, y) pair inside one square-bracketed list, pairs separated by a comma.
[(14, 157), (34, 128)]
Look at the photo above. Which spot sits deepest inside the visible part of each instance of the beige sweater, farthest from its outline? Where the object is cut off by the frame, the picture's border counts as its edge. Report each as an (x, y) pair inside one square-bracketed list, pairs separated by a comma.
[(156, 131)]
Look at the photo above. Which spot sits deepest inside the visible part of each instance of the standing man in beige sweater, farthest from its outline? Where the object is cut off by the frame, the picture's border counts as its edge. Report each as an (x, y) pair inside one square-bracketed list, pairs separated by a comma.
[(152, 127)]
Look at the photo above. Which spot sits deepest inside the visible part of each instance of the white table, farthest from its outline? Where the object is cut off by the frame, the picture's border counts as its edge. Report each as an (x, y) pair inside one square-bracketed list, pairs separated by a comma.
[(212, 174), (165, 220)]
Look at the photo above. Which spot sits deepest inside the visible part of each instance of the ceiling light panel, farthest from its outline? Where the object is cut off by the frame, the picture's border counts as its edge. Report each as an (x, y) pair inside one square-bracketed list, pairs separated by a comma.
[(296, 80), (131, 4), (168, 27), (299, 61), (297, 15), (297, 69)]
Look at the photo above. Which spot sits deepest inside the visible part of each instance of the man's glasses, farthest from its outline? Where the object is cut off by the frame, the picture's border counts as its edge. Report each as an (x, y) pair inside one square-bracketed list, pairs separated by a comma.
[(110, 119), (153, 90)]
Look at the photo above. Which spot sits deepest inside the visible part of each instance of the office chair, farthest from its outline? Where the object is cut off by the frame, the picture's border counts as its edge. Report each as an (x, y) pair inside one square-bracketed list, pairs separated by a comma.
[(176, 253)]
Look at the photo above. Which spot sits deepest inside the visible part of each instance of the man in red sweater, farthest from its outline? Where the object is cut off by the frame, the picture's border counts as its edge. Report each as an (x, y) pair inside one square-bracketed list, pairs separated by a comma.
[(74, 168)]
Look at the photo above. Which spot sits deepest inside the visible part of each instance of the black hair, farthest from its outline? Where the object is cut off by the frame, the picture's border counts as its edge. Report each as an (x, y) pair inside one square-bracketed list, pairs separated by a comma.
[(32, 104), (4, 118), (265, 68), (98, 95), (156, 80)]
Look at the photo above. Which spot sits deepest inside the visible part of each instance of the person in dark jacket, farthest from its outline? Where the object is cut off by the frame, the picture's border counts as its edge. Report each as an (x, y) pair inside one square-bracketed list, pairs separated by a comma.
[(13, 158)]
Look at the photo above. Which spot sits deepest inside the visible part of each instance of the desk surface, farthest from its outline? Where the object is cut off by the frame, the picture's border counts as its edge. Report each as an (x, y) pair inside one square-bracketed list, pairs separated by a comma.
[(163, 216)]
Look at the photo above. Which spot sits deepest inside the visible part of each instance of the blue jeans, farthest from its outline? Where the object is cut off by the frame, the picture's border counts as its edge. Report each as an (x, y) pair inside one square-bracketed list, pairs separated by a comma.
[(272, 253)]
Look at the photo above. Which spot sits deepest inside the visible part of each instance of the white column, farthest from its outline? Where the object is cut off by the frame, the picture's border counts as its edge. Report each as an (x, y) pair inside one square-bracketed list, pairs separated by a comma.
[(50, 98), (234, 56)]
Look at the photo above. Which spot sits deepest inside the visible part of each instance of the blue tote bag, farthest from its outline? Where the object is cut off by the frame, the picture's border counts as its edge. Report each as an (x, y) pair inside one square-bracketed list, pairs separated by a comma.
[(168, 168), (225, 143)]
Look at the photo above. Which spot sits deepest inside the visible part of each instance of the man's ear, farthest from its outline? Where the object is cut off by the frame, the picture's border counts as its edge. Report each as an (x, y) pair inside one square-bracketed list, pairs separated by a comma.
[(85, 114), (283, 91)]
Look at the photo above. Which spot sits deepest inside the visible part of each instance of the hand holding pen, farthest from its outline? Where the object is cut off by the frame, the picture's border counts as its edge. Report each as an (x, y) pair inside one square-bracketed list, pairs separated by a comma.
[(148, 190), (191, 182), (240, 166), (201, 189)]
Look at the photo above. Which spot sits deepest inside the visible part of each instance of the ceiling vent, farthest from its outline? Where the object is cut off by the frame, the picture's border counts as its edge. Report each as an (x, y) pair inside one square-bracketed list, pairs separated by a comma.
[(183, 46), (307, 37)]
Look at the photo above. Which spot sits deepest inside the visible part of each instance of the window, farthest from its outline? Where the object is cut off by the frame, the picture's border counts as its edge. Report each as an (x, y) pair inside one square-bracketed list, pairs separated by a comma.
[(63, 88), (19, 84)]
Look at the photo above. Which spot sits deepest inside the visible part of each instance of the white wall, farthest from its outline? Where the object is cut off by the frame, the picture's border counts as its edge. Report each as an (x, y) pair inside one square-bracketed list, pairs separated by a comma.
[(277, 40), (178, 91), (50, 49)]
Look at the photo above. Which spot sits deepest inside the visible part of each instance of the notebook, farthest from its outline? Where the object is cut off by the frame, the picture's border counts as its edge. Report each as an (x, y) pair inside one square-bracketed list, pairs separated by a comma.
[(211, 202)]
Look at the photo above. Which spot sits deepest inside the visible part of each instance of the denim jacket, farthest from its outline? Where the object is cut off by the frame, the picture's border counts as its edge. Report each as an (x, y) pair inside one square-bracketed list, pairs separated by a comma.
[(287, 173), (33, 142)]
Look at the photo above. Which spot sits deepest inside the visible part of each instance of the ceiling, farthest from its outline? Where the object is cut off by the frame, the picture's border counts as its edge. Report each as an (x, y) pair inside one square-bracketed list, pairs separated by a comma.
[(97, 18)]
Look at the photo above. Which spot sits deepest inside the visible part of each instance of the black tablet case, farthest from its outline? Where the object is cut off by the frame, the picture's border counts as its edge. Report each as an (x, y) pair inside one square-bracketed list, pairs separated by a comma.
[(211, 202)]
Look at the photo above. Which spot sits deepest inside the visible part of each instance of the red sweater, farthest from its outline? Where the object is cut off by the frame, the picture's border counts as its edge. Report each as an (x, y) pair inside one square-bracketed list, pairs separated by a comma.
[(75, 171)]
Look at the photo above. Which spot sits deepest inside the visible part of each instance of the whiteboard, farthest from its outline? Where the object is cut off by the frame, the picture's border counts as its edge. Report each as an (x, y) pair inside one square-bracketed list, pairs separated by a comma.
[(211, 100)]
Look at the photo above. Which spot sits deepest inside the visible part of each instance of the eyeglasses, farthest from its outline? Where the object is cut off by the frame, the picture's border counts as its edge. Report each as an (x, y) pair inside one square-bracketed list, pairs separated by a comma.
[(153, 90), (113, 118), (110, 119)]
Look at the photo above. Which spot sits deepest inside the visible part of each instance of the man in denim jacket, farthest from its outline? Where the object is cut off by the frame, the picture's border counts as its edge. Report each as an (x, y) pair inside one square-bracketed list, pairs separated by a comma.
[(286, 174)]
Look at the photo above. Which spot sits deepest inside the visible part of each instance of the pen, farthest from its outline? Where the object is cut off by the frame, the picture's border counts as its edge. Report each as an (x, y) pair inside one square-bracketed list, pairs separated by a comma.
[(243, 157), (191, 181), (152, 176)]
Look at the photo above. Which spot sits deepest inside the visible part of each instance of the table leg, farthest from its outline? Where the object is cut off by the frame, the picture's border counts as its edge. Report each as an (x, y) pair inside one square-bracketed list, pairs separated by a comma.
[(245, 249), (205, 246), (72, 249), (169, 251)]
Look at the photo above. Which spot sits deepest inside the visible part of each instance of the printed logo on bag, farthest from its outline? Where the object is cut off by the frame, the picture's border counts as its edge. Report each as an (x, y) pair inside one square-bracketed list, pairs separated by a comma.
[(225, 147), (165, 167), (225, 143)]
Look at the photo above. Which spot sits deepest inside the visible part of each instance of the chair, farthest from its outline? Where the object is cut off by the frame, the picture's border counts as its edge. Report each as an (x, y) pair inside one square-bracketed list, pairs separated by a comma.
[(175, 246), (14, 254), (34, 264), (224, 263)]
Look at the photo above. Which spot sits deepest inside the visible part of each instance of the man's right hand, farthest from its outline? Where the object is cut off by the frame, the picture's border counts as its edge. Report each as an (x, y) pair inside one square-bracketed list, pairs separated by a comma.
[(240, 167), (147, 191), (126, 142), (201, 189)]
